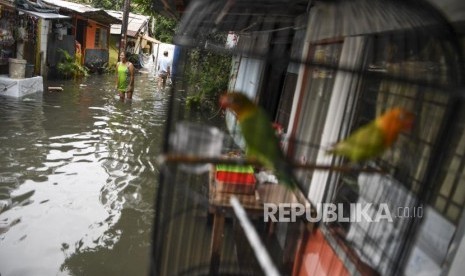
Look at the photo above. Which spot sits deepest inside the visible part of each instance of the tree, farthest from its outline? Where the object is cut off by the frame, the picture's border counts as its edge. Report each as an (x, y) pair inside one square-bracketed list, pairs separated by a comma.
[(107, 4), (164, 28), (207, 74), (103, 4)]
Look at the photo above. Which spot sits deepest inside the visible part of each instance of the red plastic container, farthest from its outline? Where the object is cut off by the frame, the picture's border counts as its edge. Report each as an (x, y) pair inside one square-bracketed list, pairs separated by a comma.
[(235, 179)]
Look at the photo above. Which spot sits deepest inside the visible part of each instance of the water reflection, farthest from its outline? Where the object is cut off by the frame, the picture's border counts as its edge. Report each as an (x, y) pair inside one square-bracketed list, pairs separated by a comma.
[(77, 179)]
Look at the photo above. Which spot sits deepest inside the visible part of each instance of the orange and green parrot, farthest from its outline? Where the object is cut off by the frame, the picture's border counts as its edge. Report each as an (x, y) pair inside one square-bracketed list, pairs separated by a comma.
[(260, 137), (372, 139)]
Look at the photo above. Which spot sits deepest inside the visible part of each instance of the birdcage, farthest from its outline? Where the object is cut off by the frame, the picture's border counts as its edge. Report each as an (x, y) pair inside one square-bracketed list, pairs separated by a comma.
[(321, 70)]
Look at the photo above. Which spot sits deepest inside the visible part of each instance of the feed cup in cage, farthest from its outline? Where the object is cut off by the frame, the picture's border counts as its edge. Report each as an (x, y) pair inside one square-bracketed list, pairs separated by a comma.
[(196, 141)]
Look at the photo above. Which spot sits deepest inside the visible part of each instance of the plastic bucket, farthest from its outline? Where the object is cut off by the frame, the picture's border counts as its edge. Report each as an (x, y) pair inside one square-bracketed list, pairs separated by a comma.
[(17, 68)]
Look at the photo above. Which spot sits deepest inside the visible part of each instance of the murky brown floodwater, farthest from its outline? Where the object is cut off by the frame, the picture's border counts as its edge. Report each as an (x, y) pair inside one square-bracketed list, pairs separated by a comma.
[(78, 178)]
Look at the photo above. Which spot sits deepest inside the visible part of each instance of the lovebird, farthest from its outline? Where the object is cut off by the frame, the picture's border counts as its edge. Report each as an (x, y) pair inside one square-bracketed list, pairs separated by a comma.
[(372, 139), (260, 137)]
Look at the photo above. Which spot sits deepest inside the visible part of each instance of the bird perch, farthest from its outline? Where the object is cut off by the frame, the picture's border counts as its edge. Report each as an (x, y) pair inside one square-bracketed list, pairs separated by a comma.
[(173, 159)]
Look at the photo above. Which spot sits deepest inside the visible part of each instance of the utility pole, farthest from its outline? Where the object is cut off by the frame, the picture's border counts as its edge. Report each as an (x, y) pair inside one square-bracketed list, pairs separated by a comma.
[(124, 27)]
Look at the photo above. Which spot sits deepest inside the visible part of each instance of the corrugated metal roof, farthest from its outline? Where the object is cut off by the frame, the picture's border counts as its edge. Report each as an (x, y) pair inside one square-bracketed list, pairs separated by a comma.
[(8, 3), (135, 22), (45, 15), (80, 8), (90, 12), (135, 25)]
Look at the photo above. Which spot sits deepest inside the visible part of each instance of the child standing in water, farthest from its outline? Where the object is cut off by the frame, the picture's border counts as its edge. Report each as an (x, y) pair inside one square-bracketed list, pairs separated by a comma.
[(124, 77)]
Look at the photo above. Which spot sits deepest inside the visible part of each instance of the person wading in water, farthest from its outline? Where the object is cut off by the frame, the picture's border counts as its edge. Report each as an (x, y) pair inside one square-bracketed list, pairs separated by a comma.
[(164, 71), (124, 77)]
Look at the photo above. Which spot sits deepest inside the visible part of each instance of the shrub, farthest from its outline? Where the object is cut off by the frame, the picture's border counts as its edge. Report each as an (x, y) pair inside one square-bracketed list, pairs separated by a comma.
[(69, 67)]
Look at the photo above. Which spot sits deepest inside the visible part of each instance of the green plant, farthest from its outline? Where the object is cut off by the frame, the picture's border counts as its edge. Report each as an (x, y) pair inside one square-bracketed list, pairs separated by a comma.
[(134, 59), (97, 65), (111, 68), (164, 28), (207, 76), (68, 67)]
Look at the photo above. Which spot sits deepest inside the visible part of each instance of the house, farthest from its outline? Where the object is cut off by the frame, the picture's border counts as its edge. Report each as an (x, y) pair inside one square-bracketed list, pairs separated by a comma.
[(89, 30), (322, 69), (25, 27), (7, 15), (138, 32), (31, 38), (140, 41), (46, 26)]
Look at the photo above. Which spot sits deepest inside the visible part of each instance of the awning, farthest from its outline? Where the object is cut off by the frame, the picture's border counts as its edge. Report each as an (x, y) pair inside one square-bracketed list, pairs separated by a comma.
[(45, 15), (151, 39)]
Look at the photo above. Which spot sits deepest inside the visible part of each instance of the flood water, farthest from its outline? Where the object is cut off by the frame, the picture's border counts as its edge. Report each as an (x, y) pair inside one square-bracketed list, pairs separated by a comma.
[(78, 177)]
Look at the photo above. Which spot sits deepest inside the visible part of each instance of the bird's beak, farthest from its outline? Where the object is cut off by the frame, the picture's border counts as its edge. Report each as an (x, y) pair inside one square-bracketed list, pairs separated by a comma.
[(224, 101)]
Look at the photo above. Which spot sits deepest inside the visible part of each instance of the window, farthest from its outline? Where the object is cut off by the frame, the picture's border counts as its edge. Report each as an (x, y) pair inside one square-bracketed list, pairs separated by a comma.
[(100, 38), (425, 165), (313, 107), (449, 196)]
